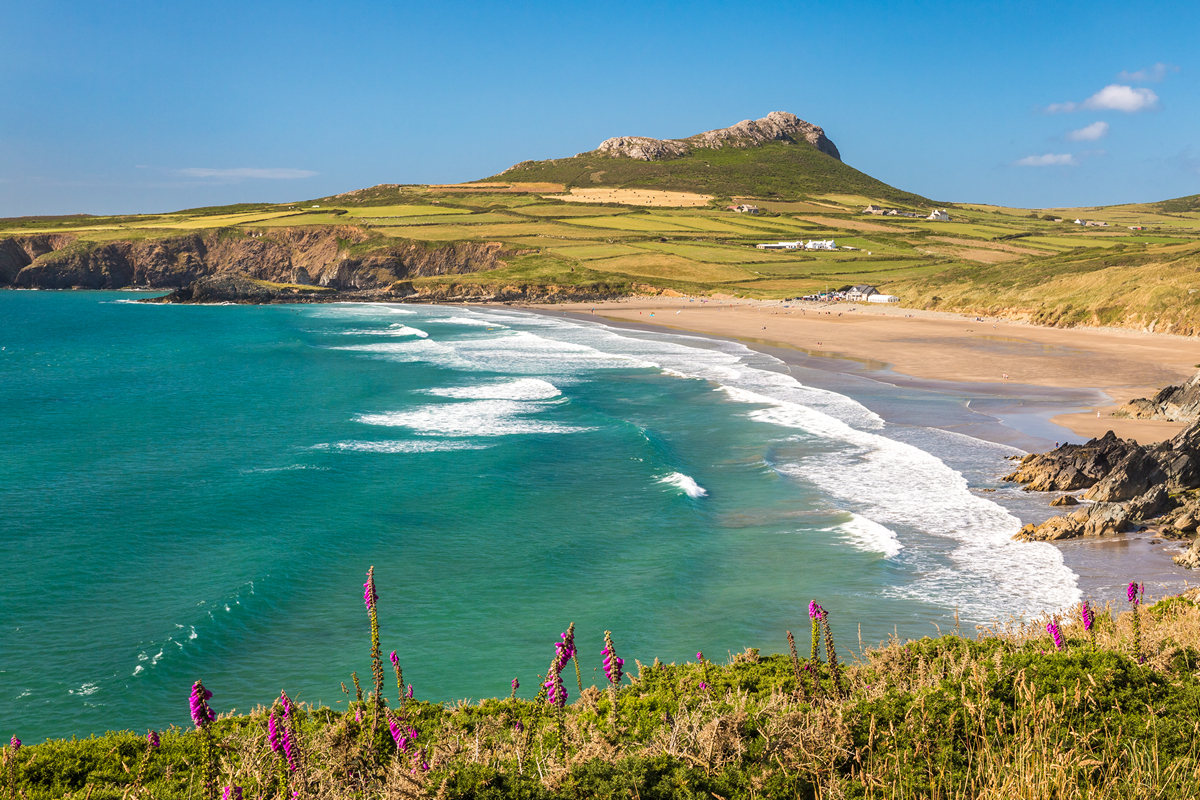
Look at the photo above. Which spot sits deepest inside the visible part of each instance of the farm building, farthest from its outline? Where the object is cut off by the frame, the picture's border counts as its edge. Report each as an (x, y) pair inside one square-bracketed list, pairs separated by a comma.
[(780, 246), (818, 244), (873, 209), (883, 298), (743, 209), (938, 215)]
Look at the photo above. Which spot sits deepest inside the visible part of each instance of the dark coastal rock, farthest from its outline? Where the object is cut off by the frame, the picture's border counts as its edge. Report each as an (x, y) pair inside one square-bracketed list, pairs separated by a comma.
[(1129, 485), (1150, 504), (1134, 475), (1190, 558), (1073, 466), (1065, 500), (1173, 403)]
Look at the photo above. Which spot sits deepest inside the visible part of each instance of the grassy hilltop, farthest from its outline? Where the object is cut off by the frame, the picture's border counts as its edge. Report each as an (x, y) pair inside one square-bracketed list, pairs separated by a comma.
[(767, 171)]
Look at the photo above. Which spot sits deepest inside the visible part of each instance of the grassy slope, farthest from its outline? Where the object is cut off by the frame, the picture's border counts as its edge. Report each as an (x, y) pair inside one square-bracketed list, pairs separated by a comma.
[(1002, 716), (770, 171)]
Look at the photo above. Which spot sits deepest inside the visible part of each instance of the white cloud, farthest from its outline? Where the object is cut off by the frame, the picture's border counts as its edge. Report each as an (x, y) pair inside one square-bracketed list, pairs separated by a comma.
[(247, 172), (1047, 160), (1114, 97), (1089, 133), (1155, 74)]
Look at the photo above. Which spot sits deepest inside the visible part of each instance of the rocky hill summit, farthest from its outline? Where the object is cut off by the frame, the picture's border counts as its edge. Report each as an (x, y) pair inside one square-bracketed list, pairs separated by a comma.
[(778, 126)]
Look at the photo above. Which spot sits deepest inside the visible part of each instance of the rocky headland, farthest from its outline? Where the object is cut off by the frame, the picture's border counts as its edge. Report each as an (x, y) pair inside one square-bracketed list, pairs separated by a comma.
[(279, 265), (1125, 486)]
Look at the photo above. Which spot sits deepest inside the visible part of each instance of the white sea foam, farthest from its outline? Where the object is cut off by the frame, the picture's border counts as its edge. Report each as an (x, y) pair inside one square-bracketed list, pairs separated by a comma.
[(520, 389), (428, 446), (868, 535), (356, 310), (473, 418), (684, 483), (391, 330), (475, 321), (84, 690)]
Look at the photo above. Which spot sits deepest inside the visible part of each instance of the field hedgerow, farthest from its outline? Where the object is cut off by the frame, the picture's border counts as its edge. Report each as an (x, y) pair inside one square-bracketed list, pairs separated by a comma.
[(1096, 703)]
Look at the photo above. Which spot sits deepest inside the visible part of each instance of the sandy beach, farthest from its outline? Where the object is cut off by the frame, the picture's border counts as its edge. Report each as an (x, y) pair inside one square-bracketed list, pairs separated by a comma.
[(943, 347)]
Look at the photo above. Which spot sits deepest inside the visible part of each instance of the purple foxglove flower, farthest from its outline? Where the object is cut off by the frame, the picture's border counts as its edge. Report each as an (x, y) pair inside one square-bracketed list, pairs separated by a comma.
[(815, 611), (516, 684), (273, 732), (152, 740), (700, 656), (518, 726), (15, 744), (288, 745), (1131, 592), (1085, 613), (370, 596), (408, 694), (395, 659), (1052, 627), (201, 713), (398, 735), (232, 793)]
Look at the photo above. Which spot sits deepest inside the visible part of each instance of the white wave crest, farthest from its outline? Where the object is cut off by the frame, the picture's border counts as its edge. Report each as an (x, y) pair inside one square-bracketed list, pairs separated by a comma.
[(684, 483), (474, 418), (866, 534), (520, 389), (430, 446)]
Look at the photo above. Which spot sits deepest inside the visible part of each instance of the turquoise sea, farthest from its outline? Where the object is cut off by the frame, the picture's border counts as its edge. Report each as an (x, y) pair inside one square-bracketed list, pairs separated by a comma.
[(197, 492)]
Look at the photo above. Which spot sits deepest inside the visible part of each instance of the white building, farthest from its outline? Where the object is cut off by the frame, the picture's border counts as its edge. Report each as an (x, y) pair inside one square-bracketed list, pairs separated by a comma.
[(860, 292), (939, 215), (816, 244), (780, 246), (883, 298)]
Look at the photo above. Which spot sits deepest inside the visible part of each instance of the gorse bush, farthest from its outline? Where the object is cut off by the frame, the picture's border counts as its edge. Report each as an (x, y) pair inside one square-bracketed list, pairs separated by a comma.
[(1093, 703)]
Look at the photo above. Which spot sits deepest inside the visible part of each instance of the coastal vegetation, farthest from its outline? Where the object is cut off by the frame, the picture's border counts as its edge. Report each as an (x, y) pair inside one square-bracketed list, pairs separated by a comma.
[(1093, 702)]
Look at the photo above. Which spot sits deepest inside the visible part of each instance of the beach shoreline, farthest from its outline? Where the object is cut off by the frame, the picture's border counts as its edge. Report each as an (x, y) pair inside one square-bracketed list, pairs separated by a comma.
[(1026, 416), (991, 355)]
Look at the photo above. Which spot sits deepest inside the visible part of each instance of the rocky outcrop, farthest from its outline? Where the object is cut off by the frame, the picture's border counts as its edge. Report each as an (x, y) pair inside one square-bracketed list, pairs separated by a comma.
[(1072, 467), (778, 126), (1173, 404), (505, 293), (1130, 485), (1190, 558), (326, 256)]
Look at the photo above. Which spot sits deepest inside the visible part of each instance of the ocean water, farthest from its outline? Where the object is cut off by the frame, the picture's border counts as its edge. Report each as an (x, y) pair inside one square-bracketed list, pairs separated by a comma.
[(197, 492)]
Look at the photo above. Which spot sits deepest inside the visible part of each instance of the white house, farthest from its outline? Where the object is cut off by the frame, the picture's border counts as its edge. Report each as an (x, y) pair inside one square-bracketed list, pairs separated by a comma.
[(860, 292), (780, 246), (938, 215), (873, 209), (883, 298), (817, 244)]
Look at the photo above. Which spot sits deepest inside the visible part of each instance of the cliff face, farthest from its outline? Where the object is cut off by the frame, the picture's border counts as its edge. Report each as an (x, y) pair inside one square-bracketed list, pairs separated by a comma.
[(306, 256)]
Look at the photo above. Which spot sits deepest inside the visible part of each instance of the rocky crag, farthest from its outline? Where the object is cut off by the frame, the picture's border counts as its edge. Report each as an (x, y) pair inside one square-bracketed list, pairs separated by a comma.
[(778, 126), (1130, 486), (1174, 404)]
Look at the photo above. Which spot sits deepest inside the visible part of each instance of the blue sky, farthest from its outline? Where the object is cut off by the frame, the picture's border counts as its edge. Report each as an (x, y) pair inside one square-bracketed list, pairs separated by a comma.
[(125, 107)]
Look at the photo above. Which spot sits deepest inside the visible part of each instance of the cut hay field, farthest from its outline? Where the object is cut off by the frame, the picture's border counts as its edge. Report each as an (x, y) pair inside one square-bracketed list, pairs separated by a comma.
[(988, 258)]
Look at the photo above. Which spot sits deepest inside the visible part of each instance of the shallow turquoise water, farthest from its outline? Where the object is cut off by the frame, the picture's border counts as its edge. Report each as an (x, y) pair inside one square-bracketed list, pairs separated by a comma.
[(197, 492)]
